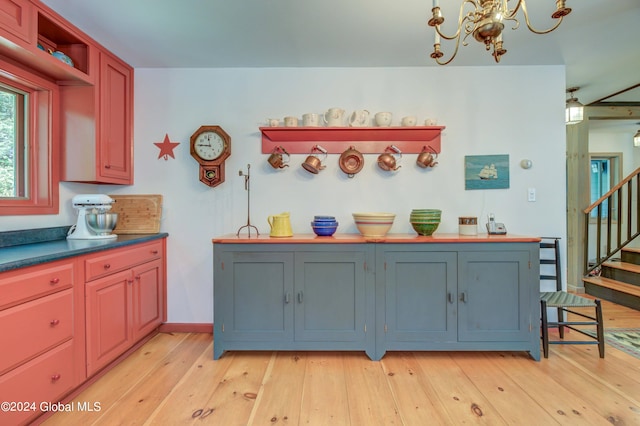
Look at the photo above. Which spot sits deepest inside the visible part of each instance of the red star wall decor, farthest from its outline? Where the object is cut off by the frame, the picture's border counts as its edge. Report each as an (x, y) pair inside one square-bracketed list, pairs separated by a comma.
[(166, 147)]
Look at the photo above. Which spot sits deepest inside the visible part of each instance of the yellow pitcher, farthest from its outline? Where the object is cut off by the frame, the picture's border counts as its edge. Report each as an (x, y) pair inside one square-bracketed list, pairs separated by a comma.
[(280, 225)]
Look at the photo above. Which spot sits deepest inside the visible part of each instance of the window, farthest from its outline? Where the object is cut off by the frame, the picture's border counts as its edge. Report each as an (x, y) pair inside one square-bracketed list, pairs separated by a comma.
[(29, 140), (605, 174), (12, 144)]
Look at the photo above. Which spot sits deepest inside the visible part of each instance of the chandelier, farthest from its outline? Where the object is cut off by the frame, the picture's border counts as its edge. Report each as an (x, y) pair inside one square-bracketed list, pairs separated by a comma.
[(485, 23)]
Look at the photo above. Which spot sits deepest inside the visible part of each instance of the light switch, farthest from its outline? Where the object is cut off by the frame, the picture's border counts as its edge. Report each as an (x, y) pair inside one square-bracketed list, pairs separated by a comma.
[(531, 194)]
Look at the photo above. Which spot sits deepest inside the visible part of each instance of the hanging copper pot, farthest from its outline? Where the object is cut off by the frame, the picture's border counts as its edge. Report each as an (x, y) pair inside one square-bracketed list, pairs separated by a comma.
[(351, 161)]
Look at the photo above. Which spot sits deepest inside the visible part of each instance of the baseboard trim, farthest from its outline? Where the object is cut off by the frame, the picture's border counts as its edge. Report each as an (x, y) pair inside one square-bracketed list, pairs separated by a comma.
[(181, 327)]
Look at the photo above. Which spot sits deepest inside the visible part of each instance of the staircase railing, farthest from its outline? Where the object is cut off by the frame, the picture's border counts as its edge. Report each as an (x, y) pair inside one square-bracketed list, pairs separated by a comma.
[(626, 197)]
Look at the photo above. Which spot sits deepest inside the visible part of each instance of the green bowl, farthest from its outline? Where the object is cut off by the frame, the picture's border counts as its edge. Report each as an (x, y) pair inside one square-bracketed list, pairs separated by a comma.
[(424, 228), (424, 219), (426, 211)]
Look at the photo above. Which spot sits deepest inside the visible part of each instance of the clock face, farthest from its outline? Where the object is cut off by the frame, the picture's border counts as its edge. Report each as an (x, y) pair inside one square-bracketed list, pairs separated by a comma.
[(209, 146)]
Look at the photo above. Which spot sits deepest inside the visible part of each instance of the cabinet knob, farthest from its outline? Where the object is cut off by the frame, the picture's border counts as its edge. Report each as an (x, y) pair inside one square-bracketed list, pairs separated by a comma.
[(287, 297), (300, 297), (54, 281), (137, 277), (107, 266), (463, 297), (154, 252), (55, 377), (54, 322), (107, 166), (129, 281)]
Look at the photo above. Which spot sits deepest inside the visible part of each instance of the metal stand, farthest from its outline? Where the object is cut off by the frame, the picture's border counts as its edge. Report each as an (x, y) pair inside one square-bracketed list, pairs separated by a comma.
[(248, 189)]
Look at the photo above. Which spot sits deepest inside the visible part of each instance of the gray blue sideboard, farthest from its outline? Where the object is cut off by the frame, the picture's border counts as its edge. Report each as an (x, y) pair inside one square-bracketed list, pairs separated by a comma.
[(404, 292)]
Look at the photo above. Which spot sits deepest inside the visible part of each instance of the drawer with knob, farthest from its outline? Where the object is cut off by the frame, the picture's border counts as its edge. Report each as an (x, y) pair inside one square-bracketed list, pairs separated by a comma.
[(34, 327), (117, 260), (40, 382), (29, 283)]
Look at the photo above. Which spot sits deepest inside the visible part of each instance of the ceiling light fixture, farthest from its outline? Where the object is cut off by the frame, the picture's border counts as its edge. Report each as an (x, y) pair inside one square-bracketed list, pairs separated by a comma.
[(636, 138), (486, 22), (574, 109)]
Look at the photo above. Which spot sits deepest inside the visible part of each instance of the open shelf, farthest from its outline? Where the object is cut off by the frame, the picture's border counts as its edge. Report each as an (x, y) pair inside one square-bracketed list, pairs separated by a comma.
[(367, 140), (53, 36), (37, 26)]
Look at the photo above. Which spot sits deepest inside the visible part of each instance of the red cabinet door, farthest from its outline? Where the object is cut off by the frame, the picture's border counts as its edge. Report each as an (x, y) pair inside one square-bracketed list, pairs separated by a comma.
[(109, 319), (148, 298), (16, 19), (114, 127)]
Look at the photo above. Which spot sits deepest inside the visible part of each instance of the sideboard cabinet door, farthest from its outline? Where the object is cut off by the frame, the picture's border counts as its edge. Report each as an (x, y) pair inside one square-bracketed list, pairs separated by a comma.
[(253, 299), (421, 294), (330, 296), (494, 296)]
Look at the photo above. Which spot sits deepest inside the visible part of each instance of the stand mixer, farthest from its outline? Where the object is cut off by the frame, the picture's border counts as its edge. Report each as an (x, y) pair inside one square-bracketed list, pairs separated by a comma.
[(89, 203)]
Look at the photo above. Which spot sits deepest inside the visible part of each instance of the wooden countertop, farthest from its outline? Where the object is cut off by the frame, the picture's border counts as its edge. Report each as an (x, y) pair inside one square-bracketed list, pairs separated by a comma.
[(359, 239)]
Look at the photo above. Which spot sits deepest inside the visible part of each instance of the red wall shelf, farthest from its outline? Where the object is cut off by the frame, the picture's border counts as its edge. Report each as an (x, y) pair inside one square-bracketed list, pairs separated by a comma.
[(367, 140)]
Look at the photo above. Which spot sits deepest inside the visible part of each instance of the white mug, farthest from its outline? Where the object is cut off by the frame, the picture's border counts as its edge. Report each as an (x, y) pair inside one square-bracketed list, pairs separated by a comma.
[(273, 122), (333, 117), (359, 118), (383, 119), (431, 122), (310, 120), (409, 121), (290, 122)]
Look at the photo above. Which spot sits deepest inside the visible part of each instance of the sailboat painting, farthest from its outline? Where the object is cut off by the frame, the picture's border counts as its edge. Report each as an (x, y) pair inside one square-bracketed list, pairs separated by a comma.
[(486, 171)]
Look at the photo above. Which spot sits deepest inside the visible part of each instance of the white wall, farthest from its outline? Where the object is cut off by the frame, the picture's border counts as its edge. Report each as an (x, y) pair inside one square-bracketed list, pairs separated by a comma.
[(517, 111)]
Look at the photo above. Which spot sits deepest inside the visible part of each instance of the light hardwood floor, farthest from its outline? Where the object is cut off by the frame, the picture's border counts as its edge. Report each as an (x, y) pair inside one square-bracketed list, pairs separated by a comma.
[(173, 380)]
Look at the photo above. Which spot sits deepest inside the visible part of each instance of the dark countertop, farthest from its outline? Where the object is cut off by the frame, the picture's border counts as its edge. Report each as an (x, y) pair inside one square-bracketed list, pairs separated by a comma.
[(19, 249)]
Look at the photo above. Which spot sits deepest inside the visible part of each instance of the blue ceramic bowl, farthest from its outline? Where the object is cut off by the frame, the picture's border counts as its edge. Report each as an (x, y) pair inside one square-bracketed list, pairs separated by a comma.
[(333, 223), (62, 57), (324, 230), (324, 219)]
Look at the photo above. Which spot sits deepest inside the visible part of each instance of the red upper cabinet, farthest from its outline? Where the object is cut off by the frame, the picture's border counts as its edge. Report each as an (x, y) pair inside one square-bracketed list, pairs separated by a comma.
[(97, 126), (16, 19), (115, 121)]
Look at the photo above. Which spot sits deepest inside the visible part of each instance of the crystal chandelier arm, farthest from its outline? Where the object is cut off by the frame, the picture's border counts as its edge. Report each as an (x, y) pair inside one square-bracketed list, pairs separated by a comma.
[(526, 19)]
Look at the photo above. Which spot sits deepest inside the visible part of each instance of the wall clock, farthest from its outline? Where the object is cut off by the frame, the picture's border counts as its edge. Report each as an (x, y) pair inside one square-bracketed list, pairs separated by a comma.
[(211, 146)]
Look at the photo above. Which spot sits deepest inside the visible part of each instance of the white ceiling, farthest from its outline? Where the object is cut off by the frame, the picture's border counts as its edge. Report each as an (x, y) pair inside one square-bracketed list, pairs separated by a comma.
[(598, 42)]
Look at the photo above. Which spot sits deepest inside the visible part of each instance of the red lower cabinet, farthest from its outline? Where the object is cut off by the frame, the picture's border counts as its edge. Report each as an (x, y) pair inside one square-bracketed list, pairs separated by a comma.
[(125, 306), (61, 322), (42, 340)]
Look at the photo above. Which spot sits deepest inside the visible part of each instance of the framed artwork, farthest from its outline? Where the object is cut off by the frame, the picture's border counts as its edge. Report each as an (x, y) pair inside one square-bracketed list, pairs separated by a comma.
[(486, 172)]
